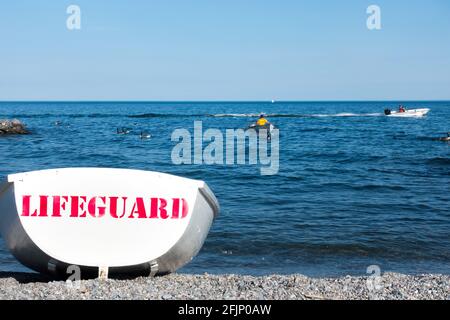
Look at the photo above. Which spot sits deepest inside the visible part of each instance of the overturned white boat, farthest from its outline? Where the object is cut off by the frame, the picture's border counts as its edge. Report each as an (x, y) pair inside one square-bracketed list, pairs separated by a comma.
[(104, 221), (407, 113)]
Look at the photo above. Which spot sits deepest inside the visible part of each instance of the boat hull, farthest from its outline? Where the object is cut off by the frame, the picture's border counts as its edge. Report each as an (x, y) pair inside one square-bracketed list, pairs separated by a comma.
[(91, 220), (409, 113)]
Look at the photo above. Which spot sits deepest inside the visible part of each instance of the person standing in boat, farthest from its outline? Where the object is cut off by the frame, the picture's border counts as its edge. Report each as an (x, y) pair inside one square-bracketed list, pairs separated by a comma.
[(401, 109)]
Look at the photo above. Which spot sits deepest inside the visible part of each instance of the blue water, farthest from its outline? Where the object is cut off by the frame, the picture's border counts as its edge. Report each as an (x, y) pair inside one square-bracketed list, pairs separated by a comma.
[(354, 188)]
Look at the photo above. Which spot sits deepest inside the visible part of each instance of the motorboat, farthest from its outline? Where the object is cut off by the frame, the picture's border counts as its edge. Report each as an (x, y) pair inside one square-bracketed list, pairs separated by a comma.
[(407, 113), (268, 127)]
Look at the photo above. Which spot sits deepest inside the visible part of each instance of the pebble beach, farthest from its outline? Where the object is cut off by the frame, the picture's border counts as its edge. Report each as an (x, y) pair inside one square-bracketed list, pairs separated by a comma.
[(390, 286)]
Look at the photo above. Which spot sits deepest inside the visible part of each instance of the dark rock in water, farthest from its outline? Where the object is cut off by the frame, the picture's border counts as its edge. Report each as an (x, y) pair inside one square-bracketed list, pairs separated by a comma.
[(12, 127)]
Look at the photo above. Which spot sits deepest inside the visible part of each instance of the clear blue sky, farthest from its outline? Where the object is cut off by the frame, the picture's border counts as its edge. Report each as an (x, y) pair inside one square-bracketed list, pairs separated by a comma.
[(224, 50)]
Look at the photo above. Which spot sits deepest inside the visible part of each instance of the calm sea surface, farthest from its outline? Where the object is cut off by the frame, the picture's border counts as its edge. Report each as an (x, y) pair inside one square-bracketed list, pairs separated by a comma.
[(354, 187)]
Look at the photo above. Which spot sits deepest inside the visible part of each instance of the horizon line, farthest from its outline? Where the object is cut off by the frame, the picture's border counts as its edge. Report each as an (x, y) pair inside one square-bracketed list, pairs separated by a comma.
[(223, 101)]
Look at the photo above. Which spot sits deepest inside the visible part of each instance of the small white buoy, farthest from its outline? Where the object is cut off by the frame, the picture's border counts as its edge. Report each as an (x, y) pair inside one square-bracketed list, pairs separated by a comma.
[(145, 135)]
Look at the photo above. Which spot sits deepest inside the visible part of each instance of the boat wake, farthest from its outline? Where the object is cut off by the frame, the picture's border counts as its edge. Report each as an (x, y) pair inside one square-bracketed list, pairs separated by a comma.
[(281, 115), (349, 115), (219, 115)]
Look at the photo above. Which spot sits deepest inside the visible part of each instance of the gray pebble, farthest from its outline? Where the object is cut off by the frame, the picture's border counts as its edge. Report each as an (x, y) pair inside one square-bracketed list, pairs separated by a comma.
[(392, 286)]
